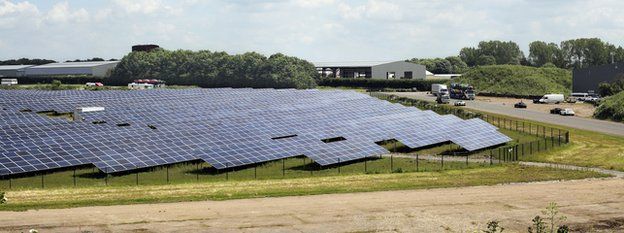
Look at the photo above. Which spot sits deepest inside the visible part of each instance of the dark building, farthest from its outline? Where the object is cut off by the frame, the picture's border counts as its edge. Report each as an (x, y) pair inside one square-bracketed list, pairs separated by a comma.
[(588, 79), (144, 47)]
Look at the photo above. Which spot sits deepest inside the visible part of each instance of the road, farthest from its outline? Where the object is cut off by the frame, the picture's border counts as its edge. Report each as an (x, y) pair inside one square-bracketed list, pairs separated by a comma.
[(465, 209), (601, 126)]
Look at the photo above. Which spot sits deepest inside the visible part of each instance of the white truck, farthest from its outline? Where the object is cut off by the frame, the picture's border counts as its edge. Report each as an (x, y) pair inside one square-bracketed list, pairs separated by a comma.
[(552, 99), (439, 89)]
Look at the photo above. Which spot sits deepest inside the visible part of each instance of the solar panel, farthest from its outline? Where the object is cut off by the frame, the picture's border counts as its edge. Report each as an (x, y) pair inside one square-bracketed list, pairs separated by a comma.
[(225, 127)]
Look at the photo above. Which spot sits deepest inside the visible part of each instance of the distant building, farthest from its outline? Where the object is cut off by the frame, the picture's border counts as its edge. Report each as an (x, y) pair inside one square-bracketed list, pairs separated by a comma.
[(442, 76), (95, 68), (144, 48), (374, 70), (588, 79), (13, 70)]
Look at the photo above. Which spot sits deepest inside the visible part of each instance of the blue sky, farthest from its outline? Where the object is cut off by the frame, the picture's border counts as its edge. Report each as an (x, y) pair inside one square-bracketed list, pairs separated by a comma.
[(316, 30)]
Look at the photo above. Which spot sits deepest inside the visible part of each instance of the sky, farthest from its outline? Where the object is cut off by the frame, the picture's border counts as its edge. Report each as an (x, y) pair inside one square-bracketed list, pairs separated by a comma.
[(315, 30)]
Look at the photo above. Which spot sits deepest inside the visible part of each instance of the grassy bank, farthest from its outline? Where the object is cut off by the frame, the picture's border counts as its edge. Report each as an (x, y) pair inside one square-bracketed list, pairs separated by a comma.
[(514, 80), (611, 108), (89, 196)]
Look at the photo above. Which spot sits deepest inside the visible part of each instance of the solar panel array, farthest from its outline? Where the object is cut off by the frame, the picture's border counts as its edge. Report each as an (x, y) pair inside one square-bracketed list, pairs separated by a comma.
[(224, 127)]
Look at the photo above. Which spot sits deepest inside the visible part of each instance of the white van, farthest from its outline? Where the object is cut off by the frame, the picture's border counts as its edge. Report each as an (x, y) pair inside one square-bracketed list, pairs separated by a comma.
[(552, 99), (579, 96)]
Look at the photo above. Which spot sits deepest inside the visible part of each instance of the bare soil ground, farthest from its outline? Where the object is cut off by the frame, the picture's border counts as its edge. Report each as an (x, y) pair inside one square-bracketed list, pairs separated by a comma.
[(580, 109), (591, 205)]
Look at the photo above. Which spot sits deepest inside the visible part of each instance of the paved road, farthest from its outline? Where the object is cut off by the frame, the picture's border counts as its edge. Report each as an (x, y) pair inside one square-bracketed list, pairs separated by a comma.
[(601, 126)]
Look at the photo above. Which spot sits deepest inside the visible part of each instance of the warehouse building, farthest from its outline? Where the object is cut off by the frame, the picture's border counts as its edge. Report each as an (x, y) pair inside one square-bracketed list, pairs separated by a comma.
[(13, 70), (375, 70), (588, 79), (95, 68)]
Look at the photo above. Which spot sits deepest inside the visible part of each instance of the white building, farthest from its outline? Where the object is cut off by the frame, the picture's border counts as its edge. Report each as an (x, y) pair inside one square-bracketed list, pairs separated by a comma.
[(13, 70), (95, 68)]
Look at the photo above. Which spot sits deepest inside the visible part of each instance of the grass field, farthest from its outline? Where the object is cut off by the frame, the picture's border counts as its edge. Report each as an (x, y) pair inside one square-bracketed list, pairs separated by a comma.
[(193, 191), (197, 173)]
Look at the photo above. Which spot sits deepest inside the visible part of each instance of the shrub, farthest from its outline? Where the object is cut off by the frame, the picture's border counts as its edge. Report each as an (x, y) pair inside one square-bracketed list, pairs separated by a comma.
[(3, 199), (611, 108), (494, 227)]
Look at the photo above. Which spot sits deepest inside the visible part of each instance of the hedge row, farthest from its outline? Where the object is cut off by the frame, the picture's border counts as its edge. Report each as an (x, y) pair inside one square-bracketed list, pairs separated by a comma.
[(421, 85), (73, 79)]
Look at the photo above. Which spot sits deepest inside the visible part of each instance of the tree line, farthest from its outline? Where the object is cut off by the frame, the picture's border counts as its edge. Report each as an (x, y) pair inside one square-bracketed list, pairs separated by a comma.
[(26, 61), (569, 54), (216, 69)]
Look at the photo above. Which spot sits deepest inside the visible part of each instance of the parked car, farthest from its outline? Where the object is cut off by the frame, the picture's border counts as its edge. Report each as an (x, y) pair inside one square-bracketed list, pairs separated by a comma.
[(520, 105), (460, 103), (571, 100), (556, 111), (94, 84), (567, 112)]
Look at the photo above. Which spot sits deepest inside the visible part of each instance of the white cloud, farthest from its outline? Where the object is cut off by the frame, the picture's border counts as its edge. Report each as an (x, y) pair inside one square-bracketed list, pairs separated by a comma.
[(17, 14), (61, 13), (314, 3), (373, 9), (145, 6)]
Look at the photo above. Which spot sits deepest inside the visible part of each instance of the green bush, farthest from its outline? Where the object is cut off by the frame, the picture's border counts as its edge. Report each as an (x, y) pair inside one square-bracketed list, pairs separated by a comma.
[(215, 69), (612, 108), (421, 85), (517, 81)]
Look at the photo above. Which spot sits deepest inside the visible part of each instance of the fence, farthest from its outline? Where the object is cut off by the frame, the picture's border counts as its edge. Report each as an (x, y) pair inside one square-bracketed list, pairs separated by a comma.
[(548, 137)]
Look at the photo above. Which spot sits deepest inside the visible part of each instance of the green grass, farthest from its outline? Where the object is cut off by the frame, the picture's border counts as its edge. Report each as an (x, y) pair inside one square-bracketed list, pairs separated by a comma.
[(586, 148), (518, 80), (344, 183), (189, 173)]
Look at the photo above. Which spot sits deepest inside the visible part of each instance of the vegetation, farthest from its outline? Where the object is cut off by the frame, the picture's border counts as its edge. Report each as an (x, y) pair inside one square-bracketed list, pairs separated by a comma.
[(26, 61), (215, 69), (67, 79), (193, 191), (448, 65), (421, 85), (3, 199), (611, 108), (492, 53), (609, 89), (575, 53), (513, 80)]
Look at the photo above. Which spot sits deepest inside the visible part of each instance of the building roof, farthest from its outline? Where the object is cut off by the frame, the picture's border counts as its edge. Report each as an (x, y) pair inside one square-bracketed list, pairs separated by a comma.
[(14, 67), (350, 63), (74, 64)]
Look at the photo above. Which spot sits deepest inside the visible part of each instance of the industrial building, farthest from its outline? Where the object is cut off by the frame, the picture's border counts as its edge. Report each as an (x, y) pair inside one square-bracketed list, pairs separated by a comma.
[(588, 79), (13, 70), (94, 68), (375, 70)]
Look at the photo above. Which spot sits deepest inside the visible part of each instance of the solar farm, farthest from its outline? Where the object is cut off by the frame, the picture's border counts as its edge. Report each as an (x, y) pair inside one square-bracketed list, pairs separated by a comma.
[(226, 128)]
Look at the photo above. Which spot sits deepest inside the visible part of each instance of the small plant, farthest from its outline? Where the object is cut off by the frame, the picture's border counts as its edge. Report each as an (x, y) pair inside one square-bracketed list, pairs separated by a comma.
[(494, 227), (538, 225), (3, 199), (56, 85), (552, 214), (398, 170)]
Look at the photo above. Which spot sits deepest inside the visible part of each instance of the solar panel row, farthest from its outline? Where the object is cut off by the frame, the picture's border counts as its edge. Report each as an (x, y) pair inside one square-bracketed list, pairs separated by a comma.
[(225, 127)]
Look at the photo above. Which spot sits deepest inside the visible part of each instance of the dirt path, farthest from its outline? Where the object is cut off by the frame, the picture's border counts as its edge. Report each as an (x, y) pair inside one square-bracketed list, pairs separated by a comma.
[(435, 210)]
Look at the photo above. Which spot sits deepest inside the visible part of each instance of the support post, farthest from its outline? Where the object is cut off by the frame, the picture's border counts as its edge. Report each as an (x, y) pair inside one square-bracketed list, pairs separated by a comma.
[(227, 171), (255, 172), (74, 177), (167, 174), (365, 165), (137, 178), (339, 165), (42, 182), (491, 158), (283, 168), (442, 162), (391, 163), (106, 176), (197, 172), (416, 162)]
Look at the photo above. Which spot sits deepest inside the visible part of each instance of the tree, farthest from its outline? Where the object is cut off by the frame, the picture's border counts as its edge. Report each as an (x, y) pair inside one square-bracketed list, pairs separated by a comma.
[(541, 53), (470, 56), (485, 60), (457, 65)]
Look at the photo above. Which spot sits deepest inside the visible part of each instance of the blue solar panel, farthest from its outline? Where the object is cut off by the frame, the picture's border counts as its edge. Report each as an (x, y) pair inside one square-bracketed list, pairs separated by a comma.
[(225, 127)]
